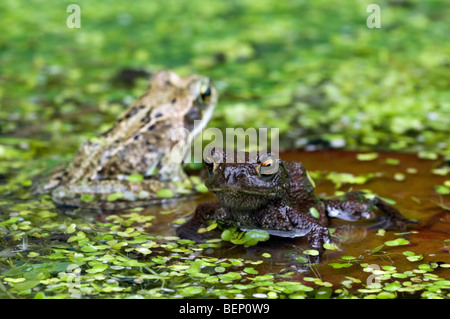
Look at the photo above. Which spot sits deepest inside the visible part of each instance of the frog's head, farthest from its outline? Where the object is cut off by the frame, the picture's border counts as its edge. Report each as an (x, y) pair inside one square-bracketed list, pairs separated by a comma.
[(245, 181), (192, 97), (204, 99)]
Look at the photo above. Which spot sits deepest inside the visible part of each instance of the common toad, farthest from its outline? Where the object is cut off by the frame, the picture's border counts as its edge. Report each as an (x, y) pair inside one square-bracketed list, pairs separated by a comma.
[(263, 192)]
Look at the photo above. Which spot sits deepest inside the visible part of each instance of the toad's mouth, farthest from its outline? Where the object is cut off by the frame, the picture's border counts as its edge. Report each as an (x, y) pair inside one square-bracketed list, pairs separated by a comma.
[(236, 190), (238, 200)]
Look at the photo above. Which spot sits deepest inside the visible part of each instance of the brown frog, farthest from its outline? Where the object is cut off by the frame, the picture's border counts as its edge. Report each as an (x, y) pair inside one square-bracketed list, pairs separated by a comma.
[(263, 192), (139, 143)]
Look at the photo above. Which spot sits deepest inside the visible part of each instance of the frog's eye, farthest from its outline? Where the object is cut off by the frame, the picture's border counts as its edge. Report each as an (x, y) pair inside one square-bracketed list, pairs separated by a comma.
[(205, 93), (268, 166)]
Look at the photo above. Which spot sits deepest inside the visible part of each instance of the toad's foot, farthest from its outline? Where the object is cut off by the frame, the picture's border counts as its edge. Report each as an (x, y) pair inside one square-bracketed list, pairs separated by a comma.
[(358, 205), (203, 213)]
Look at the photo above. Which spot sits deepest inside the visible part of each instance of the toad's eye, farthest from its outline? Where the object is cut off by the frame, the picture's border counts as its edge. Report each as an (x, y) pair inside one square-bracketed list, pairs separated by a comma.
[(268, 162), (205, 93), (211, 162), (268, 166)]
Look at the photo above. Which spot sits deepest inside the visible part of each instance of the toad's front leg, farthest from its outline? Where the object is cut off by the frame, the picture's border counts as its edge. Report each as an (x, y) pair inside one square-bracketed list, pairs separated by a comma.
[(316, 234), (203, 213), (358, 205)]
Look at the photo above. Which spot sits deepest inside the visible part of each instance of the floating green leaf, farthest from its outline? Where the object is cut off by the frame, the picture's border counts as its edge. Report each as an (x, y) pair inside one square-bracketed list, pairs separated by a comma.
[(201, 188), (251, 270), (330, 246), (367, 156), (135, 178), (314, 213), (311, 252), (441, 189), (340, 265), (247, 238), (397, 242), (114, 196), (165, 193), (97, 268), (191, 291), (392, 161)]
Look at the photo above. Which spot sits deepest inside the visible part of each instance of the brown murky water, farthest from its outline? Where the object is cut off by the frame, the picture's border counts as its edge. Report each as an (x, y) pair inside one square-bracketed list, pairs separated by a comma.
[(415, 198)]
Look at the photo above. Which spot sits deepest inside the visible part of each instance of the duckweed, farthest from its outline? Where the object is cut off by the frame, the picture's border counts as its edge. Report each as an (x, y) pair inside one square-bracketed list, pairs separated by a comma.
[(346, 178), (352, 103), (442, 189), (397, 242), (246, 238), (311, 252), (165, 193), (392, 161), (314, 212), (367, 156), (135, 178)]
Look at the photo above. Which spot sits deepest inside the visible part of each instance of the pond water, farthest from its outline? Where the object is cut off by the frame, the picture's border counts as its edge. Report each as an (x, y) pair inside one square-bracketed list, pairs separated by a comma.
[(46, 252)]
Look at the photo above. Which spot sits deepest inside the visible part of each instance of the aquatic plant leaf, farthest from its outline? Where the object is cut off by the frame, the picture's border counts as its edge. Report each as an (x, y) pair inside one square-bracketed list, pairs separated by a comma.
[(165, 193)]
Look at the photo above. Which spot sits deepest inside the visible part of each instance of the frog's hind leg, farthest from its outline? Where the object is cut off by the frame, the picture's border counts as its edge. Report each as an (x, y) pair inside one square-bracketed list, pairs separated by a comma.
[(357, 205), (113, 194), (44, 183)]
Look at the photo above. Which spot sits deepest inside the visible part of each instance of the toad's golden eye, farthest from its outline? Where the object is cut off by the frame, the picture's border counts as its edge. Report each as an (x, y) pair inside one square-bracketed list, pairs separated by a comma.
[(205, 93), (267, 162), (211, 162), (269, 165)]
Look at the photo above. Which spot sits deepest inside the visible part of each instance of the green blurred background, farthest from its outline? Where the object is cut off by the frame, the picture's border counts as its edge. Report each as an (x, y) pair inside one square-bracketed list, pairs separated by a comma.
[(311, 68)]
